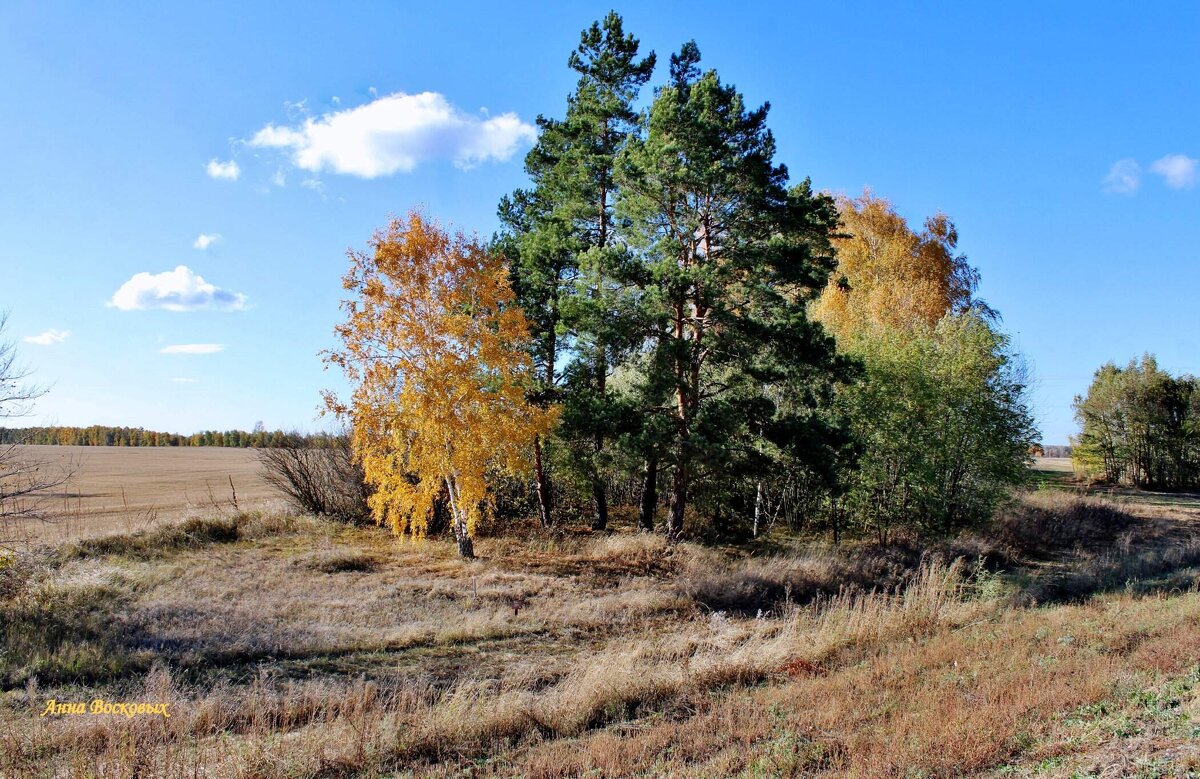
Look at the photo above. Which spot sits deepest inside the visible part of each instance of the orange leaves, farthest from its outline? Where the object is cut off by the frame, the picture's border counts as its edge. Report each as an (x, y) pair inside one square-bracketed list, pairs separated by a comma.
[(436, 350), (890, 275)]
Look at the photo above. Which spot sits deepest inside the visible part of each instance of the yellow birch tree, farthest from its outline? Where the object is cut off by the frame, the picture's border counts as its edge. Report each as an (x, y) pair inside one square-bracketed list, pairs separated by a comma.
[(435, 350), (889, 275)]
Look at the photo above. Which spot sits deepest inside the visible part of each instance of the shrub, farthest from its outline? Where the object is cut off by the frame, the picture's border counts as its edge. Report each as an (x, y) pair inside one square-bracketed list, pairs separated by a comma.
[(320, 480), (942, 418)]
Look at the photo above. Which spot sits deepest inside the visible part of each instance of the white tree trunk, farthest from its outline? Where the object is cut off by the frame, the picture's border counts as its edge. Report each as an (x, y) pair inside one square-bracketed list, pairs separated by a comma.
[(461, 532), (758, 500)]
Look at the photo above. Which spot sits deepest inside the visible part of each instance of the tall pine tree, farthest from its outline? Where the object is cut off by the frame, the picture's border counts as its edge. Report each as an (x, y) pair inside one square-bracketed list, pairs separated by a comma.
[(732, 256), (563, 238)]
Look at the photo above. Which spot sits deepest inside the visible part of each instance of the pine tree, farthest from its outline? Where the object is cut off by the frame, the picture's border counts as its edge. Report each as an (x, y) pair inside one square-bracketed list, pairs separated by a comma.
[(732, 258), (563, 239)]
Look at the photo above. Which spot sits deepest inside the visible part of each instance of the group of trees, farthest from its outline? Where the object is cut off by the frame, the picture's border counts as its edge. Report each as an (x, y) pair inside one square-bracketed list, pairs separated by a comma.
[(939, 412), (665, 307), (103, 435), (666, 320), (667, 263), (1140, 426)]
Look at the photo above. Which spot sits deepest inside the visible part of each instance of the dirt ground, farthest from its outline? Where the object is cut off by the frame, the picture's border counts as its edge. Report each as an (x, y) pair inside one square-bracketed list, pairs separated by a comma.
[(122, 489)]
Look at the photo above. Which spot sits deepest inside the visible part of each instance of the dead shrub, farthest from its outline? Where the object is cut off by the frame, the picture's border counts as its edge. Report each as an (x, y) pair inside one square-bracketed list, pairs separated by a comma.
[(325, 481)]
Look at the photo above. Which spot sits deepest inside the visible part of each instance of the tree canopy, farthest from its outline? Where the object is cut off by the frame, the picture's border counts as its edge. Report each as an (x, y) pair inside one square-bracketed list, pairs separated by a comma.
[(567, 250), (891, 275), (730, 257), (939, 415)]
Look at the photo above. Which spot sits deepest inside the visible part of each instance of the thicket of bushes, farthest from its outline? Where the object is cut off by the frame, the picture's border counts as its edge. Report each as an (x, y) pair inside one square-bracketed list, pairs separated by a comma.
[(325, 480)]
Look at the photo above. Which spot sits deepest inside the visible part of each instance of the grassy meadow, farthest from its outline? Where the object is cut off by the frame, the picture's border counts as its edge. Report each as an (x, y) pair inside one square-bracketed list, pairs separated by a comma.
[(1062, 641)]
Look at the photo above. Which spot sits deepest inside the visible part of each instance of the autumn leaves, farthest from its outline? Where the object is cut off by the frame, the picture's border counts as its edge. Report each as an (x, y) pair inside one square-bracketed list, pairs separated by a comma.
[(438, 356)]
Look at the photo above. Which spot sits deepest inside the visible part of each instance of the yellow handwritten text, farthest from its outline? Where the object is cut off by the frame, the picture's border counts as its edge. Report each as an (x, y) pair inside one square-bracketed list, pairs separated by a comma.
[(101, 706)]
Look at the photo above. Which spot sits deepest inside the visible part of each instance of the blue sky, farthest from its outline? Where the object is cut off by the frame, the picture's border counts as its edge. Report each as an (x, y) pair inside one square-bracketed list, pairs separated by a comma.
[(1061, 138)]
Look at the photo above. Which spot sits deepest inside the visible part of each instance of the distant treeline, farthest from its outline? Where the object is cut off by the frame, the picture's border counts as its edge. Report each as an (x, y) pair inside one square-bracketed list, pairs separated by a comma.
[(100, 435)]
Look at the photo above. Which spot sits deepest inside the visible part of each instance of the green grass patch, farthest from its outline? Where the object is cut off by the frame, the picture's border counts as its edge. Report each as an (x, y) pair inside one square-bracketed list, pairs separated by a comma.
[(150, 544), (67, 635)]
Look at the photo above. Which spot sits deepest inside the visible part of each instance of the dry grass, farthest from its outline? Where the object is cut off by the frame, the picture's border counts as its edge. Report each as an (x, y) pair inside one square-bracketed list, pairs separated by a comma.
[(418, 723), (338, 560), (1068, 548), (1050, 522), (293, 648), (965, 699), (761, 586)]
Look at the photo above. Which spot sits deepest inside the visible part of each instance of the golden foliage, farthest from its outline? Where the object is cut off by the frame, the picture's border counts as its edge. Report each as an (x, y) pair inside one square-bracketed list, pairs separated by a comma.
[(889, 275), (434, 347)]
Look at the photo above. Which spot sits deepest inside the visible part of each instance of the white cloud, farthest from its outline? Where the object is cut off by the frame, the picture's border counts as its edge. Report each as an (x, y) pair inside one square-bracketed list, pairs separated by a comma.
[(177, 290), (1177, 170), (192, 349), (205, 240), (316, 185), (1124, 177), (296, 110), (230, 171), (394, 134), (278, 179), (48, 338), (184, 380)]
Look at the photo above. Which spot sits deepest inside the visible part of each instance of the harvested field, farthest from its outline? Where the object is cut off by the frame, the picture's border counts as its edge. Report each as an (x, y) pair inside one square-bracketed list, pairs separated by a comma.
[(1059, 464), (123, 489)]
